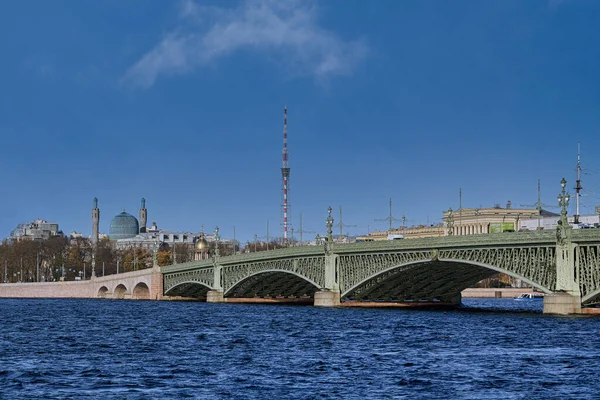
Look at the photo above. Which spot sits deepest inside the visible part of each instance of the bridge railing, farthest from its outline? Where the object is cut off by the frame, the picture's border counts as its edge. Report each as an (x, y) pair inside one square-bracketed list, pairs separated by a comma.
[(504, 239), (248, 257)]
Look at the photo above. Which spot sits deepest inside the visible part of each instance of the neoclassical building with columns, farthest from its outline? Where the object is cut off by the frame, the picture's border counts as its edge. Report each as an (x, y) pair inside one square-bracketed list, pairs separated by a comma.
[(474, 221), (465, 221)]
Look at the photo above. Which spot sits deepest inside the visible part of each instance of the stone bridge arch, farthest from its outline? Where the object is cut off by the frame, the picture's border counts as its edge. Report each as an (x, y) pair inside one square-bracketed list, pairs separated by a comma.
[(120, 291), (102, 292), (141, 291), (273, 283)]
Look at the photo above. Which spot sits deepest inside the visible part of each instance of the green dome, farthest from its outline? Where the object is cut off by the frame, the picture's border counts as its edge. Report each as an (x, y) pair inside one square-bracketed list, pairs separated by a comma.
[(123, 226)]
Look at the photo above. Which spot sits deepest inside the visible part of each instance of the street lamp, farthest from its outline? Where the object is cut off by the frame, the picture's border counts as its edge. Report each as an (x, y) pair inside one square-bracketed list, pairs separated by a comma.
[(217, 238), (563, 201), (450, 222), (329, 242)]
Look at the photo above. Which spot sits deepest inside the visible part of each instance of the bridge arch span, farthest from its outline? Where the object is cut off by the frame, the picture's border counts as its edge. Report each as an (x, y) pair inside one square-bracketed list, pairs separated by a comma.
[(120, 291), (591, 298), (102, 292), (190, 289), (427, 279), (141, 291), (273, 283)]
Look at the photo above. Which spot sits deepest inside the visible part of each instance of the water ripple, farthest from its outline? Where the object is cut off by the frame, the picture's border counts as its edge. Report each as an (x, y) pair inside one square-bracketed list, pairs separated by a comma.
[(493, 349)]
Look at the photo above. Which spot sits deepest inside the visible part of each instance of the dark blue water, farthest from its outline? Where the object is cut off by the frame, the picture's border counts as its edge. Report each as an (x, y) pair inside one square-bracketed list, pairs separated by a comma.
[(493, 349)]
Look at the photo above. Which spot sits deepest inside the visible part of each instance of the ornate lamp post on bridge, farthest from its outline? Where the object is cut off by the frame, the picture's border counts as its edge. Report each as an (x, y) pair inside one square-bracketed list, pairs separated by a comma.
[(216, 294), (567, 296), (563, 202), (329, 223), (329, 295), (217, 238), (450, 222), (155, 253)]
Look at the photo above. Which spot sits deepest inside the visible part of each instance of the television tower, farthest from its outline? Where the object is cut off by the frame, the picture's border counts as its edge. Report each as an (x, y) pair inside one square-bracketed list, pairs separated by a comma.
[(285, 175)]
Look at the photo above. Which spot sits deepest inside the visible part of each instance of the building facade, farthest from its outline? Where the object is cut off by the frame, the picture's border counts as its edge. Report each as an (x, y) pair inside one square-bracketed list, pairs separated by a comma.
[(551, 222), (36, 230), (473, 221), (466, 221)]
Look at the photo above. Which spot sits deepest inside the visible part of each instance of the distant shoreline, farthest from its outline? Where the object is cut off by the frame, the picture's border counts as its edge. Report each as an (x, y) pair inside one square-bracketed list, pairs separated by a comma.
[(491, 293)]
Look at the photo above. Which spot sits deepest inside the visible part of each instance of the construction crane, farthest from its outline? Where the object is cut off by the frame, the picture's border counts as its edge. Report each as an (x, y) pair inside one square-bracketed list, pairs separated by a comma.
[(390, 218), (342, 225), (538, 206)]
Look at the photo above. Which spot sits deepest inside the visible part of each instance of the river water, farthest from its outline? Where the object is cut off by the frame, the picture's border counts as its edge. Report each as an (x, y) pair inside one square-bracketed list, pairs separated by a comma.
[(110, 349)]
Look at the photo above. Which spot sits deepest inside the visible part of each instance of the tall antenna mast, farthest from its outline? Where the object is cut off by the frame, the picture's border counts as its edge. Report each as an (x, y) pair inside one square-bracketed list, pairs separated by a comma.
[(302, 231), (460, 209), (538, 205), (285, 176), (391, 218), (342, 225), (577, 186)]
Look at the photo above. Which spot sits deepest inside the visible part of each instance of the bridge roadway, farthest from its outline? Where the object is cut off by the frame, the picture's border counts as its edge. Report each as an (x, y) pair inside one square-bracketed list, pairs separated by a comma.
[(564, 264)]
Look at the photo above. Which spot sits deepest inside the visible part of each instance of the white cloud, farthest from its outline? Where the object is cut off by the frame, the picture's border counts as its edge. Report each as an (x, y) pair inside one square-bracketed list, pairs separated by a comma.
[(286, 28)]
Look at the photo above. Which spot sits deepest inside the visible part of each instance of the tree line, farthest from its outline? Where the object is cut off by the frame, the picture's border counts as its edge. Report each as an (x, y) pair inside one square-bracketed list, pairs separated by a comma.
[(59, 258)]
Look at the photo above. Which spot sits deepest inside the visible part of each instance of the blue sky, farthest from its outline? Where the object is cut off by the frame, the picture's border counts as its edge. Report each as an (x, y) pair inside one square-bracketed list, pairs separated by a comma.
[(182, 103)]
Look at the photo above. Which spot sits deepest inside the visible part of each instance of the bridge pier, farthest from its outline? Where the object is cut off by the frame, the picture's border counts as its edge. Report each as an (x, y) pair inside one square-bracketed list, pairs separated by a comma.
[(562, 304), (327, 298), (456, 300), (215, 296)]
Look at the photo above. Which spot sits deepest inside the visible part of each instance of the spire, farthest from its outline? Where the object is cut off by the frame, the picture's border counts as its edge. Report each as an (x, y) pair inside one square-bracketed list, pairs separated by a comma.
[(95, 222), (143, 216)]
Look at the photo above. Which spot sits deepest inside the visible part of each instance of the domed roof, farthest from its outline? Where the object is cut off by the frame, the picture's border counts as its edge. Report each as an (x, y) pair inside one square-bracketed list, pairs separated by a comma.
[(202, 244), (123, 226)]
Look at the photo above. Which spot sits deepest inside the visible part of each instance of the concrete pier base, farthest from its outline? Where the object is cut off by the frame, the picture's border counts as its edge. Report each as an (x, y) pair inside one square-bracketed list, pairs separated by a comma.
[(456, 300), (214, 296), (327, 298), (562, 304)]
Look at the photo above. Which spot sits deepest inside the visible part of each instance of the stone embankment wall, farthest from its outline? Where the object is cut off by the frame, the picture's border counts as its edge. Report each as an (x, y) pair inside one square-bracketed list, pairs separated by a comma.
[(141, 284), (500, 293), (89, 289), (77, 289)]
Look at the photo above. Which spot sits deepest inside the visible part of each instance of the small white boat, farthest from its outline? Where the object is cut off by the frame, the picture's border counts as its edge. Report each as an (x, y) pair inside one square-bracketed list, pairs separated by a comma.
[(530, 296)]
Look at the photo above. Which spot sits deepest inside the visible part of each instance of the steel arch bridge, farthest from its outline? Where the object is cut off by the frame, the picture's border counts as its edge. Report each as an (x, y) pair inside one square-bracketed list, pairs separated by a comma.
[(432, 269)]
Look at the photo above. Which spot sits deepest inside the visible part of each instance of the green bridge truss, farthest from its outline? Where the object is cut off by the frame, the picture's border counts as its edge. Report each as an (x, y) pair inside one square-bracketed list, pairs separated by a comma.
[(401, 270)]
